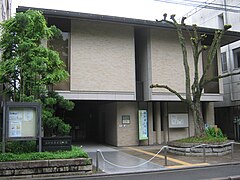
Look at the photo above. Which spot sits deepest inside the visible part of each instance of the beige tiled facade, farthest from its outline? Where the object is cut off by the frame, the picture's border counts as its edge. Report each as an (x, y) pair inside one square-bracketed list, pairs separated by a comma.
[(103, 66), (102, 57), (166, 57)]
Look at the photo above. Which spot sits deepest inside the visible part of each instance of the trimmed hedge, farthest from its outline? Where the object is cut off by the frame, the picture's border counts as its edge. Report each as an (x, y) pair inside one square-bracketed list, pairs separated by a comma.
[(204, 139), (76, 152)]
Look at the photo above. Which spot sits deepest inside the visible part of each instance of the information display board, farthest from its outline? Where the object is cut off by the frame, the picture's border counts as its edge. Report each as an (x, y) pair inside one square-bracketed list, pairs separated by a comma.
[(143, 124), (22, 122), (178, 120)]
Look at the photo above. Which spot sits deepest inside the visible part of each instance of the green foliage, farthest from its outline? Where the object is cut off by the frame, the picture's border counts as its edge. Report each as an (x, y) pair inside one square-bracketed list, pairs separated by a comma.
[(20, 146), (214, 132), (212, 135), (76, 152), (54, 108), (204, 139), (28, 68)]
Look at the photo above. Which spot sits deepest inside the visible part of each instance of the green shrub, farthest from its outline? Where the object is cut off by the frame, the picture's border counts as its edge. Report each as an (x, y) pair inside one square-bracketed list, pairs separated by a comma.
[(76, 152), (204, 139), (214, 132), (53, 114), (20, 146)]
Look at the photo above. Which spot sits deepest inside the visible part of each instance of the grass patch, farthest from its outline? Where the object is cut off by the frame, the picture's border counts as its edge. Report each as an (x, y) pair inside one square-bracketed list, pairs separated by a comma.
[(204, 139), (76, 152)]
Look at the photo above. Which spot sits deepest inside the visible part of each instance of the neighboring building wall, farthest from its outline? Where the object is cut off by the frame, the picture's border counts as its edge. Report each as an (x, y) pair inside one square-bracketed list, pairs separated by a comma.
[(102, 59), (217, 18), (5, 9), (231, 84)]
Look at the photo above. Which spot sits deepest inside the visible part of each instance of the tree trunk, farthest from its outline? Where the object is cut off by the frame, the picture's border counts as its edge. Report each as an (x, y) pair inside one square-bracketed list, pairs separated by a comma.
[(198, 119)]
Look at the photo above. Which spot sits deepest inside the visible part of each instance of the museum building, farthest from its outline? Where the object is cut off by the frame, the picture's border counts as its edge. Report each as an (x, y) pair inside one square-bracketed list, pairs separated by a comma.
[(112, 61)]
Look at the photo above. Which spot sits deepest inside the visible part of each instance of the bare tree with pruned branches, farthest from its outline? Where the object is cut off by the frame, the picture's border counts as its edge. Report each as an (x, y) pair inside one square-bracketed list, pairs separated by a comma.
[(194, 91)]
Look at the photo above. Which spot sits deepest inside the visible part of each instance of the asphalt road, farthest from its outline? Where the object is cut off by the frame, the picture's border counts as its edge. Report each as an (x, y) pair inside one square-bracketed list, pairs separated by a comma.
[(223, 171)]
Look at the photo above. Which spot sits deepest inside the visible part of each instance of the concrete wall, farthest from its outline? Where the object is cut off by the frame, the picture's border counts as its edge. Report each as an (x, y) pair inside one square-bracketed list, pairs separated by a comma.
[(5, 9), (212, 18), (127, 134), (231, 85), (102, 57)]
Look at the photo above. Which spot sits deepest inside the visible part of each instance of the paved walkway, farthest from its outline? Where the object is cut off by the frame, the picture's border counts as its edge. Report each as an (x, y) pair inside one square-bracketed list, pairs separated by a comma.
[(121, 162), (134, 156)]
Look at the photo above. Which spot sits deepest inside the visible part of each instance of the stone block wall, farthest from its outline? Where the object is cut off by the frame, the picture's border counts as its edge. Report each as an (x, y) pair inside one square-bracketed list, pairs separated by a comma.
[(15, 168), (192, 149)]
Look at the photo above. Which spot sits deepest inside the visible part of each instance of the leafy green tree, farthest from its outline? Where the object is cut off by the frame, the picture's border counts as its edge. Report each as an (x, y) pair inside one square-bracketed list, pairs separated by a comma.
[(28, 67)]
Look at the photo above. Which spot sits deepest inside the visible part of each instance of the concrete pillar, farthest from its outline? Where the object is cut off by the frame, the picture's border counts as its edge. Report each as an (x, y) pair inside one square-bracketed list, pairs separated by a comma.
[(208, 109), (157, 112), (165, 121), (150, 124)]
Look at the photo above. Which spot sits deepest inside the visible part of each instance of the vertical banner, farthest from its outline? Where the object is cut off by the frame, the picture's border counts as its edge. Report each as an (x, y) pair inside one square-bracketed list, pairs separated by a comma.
[(143, 124)]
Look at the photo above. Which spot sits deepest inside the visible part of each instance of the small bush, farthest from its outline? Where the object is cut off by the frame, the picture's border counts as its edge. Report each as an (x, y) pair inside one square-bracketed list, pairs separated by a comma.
[(20, 146), (214, 132)]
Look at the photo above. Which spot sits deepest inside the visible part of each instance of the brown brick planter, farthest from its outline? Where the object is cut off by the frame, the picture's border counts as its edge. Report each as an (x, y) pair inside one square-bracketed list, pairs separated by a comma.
[(15, 168), (216, 149)]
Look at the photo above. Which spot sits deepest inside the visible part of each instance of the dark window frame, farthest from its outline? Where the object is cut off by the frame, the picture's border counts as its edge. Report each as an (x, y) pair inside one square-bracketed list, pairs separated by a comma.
[(236, 58), (224, 62)]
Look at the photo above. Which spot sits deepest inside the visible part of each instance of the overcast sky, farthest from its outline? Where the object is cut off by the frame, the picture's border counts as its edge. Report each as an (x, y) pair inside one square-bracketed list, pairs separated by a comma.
[(140, 9)]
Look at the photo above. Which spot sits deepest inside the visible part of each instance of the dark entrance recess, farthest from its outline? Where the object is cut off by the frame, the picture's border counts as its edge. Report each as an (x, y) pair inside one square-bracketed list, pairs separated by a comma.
[(228, 119), (85, 122)]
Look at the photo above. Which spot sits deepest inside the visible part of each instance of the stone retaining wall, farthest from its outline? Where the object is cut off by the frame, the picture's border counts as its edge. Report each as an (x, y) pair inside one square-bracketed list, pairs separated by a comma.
[(211, 150), (15, 168)]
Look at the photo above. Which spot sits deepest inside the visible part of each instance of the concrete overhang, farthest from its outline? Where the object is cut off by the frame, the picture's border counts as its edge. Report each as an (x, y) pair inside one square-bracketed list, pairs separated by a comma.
[(229, 36)]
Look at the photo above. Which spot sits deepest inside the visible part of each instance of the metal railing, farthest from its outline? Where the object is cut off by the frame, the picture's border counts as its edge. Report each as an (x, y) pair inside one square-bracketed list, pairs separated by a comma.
[(165, 150)]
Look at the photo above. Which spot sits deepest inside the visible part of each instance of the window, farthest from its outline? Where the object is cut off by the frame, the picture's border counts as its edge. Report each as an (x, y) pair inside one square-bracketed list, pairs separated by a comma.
[(224, 61), (61, 45), (236, 56)]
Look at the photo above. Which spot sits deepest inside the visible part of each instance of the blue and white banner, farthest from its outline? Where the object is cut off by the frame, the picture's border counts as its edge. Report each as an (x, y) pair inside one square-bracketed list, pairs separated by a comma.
[(143, 124)]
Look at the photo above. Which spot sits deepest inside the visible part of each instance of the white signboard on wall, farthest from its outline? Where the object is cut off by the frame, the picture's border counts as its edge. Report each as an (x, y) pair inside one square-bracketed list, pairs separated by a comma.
[(178, 120)]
